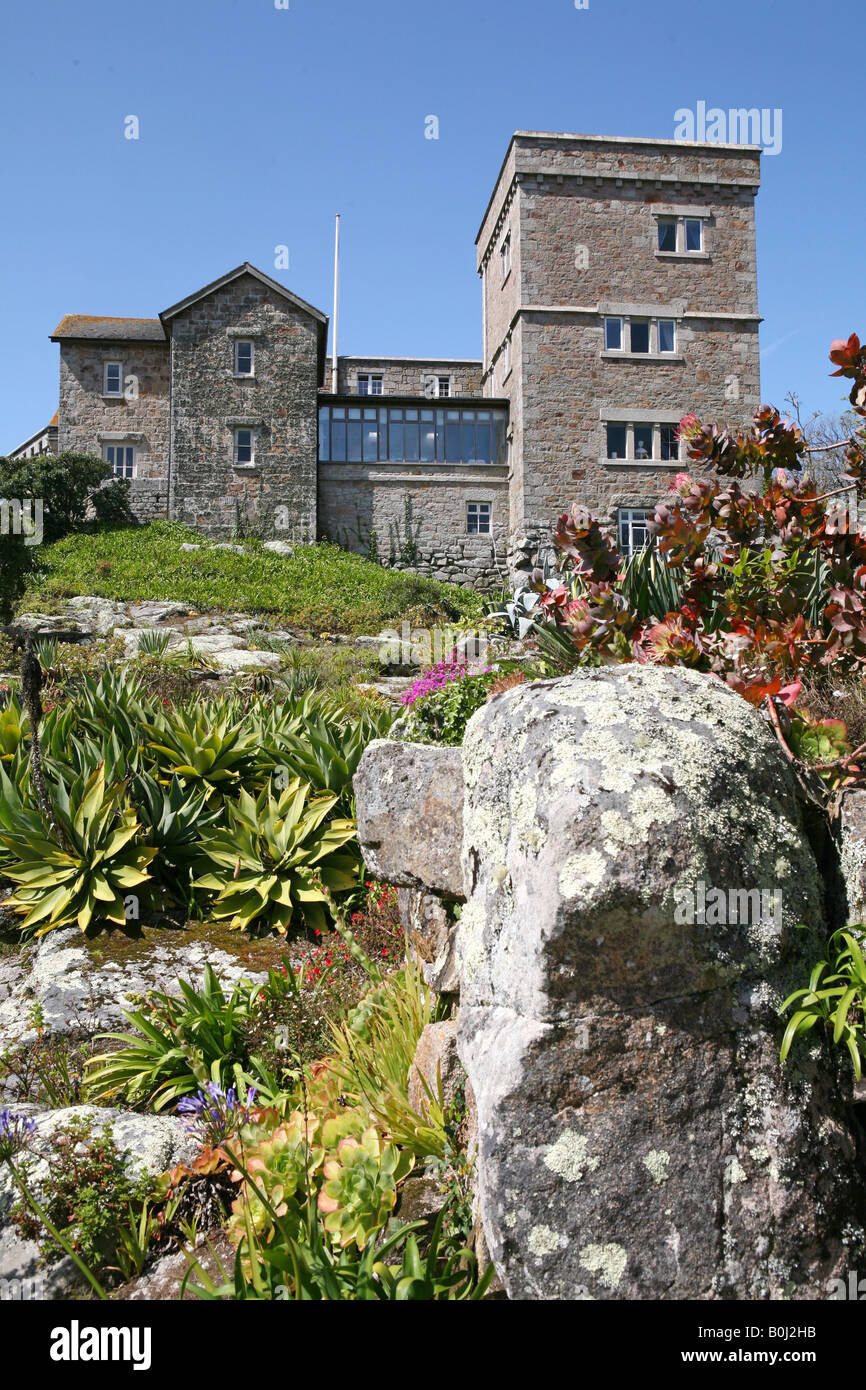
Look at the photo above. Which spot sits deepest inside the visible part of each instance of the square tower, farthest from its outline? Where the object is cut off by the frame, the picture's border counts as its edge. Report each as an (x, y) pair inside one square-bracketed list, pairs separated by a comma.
[(619, 291)]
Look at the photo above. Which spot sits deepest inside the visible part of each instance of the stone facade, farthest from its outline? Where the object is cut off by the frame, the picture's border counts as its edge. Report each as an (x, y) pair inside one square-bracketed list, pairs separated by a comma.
[(569, 239), (569, 248), (408, 376), (274, 494), (90, 421), (414, 517)]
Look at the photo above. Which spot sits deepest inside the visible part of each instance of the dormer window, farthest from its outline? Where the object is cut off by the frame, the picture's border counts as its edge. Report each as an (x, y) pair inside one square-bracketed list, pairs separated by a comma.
[(113, 379), (244, 358), (369, 385)]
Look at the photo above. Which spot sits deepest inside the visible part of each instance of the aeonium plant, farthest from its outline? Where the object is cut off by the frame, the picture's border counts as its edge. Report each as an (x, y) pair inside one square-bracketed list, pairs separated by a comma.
[(756, 574)]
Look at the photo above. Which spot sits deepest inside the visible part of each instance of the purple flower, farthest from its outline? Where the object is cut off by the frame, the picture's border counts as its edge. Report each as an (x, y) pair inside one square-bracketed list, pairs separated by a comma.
[(15, 1132), (215, 1113), (453, 669)]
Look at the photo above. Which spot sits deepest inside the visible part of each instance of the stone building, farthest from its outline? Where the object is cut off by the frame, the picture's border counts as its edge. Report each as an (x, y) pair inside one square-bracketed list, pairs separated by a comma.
[(619, 292)]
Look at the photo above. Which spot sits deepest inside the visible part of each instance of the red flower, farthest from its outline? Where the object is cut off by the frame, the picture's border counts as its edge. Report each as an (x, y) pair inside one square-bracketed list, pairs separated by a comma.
[(845, 355)]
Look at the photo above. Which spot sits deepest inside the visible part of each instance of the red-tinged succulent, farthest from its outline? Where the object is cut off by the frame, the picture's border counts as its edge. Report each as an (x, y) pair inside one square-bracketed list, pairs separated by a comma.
[(759, 585)]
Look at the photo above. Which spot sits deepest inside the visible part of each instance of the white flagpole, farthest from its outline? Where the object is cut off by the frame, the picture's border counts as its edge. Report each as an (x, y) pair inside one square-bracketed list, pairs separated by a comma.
[(336, 297)]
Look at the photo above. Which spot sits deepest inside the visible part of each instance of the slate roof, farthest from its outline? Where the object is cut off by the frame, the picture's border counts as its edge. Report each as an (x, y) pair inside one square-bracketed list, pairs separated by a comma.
[(96, 328)]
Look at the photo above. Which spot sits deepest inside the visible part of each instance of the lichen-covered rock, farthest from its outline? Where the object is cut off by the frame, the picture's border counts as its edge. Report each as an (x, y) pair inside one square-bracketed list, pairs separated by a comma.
[(618, 1019), (410, 807), (852, 827)]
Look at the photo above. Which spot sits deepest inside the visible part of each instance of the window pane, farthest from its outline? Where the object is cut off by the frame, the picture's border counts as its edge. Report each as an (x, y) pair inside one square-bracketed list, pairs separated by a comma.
[(693, 234), (668, 445), (643, 441), (324, 433), (616, 441), (640, 335), (428, 437), (395, 436), (355, 428), (482, 449), (363, 385), (244, 358), (338, 439), (667, 234), (375, 386), (666, 335), (613, 334), (440, 435), (453, 452)]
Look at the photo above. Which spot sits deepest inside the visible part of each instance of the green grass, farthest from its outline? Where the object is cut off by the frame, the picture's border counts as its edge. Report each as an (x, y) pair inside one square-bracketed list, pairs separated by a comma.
[(321, 588)]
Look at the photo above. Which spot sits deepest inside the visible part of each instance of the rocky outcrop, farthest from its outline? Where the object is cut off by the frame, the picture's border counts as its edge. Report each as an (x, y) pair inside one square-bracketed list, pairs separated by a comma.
[(635, 866)]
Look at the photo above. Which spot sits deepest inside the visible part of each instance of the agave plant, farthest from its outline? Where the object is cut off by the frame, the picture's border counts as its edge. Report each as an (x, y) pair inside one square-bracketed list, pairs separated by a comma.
[(173, 819), (327, 755), (279, 858), (83, 867), (206, 748)]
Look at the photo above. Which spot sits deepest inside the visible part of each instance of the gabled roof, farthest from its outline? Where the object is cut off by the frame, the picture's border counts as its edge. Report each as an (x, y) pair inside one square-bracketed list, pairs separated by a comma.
[(95, 328), (245, 269)]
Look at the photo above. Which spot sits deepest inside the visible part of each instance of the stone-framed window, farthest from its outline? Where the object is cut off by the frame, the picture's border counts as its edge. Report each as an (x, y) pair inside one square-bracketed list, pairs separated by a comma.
[(682, 233), (443, 386), (244, 448), (122, 459), (632, 530), (506, 358), (245, 357), (369, 384), (479, 518), (637, 442), (112, 379), (640, 337)]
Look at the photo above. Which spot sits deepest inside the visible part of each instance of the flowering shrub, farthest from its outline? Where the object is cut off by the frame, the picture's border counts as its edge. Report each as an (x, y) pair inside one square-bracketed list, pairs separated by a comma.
[(443, 700), (761, 588)]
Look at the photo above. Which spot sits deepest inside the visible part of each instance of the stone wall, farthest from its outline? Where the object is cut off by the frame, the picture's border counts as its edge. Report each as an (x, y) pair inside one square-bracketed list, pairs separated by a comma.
[(88, 420), (414, 517), (277, 496), (406, 376)]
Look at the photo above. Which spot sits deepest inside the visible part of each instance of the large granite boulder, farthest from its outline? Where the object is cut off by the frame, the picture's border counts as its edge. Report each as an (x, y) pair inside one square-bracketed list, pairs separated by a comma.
[(636, 866)]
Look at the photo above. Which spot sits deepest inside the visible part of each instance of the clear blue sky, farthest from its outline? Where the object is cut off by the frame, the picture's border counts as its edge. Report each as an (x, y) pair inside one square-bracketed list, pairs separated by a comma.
[(258, 124)]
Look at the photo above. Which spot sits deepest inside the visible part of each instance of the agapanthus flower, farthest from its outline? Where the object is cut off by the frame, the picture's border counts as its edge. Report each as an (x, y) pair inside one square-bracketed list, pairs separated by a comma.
[(214, 1114), (15, 1134)]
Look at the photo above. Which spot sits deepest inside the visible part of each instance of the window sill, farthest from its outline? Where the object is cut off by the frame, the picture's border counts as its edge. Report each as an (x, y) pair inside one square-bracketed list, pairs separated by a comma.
[(243, 376), (610, 355), (113, 396), (643, 463), (246, 467), (682, 255)]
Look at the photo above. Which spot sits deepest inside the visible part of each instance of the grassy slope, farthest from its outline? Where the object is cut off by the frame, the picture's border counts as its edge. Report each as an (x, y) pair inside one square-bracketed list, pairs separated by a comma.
[(320, 588)]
